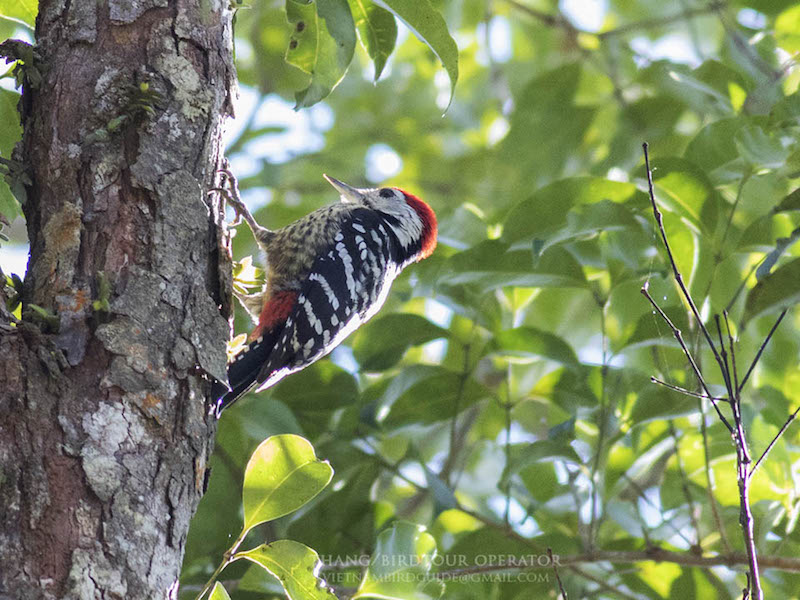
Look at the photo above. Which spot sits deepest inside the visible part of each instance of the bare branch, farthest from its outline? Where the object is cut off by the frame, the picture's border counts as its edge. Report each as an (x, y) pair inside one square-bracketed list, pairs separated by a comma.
[(774, 440), (761, 349), (555, 570), (686, 392), (677, 333), (685, 15), (675, 271), (733, 353)]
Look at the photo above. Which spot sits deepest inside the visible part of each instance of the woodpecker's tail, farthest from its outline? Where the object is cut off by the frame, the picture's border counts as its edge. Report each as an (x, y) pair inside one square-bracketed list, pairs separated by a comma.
[(243, 373)]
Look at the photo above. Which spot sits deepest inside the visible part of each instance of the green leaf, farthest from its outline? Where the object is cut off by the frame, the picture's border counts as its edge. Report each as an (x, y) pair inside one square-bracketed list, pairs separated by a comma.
[(789, 203), (321, 45), (547, 110), (682, 188), (588, 220), (787, 29), (781, 244), (759, 148), (295, 565), (383, 342), (491, 265), (444, 498), (377, 31), (430, 28), (281, 476), (219, 593), (400, 566), (657, 403), (530, 343), (776, 292), (321, 386), (544, 215), (21, 11), (425, 394), (10, 134), (652, 331), (690, 88), (714, 148), (525, 455)]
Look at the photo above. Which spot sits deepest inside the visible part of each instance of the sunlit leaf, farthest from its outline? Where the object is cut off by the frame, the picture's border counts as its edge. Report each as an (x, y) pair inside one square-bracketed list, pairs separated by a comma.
[(219, 593), (22, 11), (787, 29), (428, 25), (377, 31), (400, 565), (295, 565), (281, 476), (322, 45), (10, 134)]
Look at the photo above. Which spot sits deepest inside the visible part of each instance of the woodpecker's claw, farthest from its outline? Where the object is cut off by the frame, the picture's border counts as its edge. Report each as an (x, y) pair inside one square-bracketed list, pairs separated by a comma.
[(229, 190), (226, 195)]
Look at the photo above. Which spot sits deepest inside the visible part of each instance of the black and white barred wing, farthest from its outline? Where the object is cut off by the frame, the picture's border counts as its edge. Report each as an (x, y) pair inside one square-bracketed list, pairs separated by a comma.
[(348, 283)]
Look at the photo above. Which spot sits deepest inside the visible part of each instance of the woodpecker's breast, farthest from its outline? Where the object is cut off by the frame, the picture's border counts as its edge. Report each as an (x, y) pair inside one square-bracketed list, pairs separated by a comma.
[(292, 251)]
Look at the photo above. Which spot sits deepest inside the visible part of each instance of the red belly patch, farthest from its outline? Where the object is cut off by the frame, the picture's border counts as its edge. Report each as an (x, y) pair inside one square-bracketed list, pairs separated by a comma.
[(276, 310)]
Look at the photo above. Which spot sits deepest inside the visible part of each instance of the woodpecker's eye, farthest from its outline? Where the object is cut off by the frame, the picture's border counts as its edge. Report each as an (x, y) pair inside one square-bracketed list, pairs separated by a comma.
[(386, 193)]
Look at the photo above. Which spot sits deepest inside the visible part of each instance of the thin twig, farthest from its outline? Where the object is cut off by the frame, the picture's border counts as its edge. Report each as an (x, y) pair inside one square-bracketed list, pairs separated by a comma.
[(558, 21), (675, 271), (601, 434), (546, 18), (615, 591), (391, 467), (227, 559), (742, 285), (733, 353), (686, 392), (677, 333), (774, 440), (762, 348), (746, 516), (685, 15), (555, 570), (726, 372)]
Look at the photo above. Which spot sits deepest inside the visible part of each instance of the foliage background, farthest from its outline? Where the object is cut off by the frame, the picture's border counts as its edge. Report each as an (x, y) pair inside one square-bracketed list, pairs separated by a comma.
[(508, 374)]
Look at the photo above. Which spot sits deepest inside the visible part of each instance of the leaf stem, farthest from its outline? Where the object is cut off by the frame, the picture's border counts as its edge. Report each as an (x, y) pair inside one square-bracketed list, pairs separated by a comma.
[(227, 559)]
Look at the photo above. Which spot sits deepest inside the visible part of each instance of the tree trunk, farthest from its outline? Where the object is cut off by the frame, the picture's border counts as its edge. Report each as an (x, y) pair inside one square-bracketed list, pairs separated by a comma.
[(104, 428)]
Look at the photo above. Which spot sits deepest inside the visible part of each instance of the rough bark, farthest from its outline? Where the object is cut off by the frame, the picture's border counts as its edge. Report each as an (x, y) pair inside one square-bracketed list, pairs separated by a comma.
[(104, 432)]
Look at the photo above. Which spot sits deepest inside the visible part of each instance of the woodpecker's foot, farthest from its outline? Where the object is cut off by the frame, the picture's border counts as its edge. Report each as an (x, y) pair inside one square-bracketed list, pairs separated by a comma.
[(229, 190)]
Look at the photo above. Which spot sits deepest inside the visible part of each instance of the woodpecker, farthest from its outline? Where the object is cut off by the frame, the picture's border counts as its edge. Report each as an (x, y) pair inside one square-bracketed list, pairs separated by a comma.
[(327, 274)]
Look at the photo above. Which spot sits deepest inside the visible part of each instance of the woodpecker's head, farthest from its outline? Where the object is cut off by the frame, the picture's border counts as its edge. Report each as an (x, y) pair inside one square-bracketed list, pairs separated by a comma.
[(412, 220)]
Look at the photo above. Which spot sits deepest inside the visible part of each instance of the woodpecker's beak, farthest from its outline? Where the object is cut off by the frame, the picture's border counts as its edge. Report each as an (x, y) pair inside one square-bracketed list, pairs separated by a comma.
[(349, 193)]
